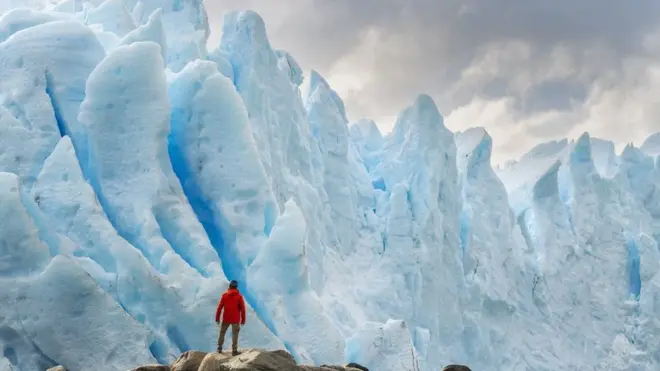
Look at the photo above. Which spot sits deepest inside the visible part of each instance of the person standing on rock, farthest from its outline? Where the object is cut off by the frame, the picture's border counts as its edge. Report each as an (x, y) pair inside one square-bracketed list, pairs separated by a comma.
[(234, 314)]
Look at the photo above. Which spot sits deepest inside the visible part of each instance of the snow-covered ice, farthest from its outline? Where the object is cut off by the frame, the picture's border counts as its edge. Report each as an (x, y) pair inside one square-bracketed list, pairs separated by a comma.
[(140, 171)]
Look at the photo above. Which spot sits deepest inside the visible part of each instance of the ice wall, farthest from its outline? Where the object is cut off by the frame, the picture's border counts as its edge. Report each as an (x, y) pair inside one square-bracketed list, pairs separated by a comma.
[(497, 282), (345, 179), (652, 145), (384, 347), (420, 176), (48, 300), (288, 152), (592, 245), (44, 63), (369, 141), (141, 172), (280, 275), (217, 161), (186, 28)]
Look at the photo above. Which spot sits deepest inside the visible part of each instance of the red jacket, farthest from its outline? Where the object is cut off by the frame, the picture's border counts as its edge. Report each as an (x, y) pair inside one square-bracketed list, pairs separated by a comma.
[(234, 305)]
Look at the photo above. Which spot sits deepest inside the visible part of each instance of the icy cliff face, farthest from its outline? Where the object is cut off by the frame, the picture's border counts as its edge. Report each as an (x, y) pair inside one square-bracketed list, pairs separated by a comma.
[(139, 172)]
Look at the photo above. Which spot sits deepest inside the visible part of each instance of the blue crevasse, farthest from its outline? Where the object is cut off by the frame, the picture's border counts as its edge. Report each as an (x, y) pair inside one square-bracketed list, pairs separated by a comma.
[(640, 175), (40, 293), (634, 268), (289, 153), (130, 157), (217, 162), (174, 304)]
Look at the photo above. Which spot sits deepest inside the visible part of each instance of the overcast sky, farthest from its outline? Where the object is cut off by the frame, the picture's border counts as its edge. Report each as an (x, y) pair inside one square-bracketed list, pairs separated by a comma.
[(528, 71)]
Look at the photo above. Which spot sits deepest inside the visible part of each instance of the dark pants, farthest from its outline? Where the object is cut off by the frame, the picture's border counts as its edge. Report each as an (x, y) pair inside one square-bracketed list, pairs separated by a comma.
[(235, 328)]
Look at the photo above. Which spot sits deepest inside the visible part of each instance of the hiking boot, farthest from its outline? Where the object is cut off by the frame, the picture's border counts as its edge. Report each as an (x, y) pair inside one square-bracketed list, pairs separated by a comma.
[(219, 350), (235, 352)]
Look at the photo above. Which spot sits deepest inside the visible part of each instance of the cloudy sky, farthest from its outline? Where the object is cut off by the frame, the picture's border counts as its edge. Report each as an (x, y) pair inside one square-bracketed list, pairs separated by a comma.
[(527, 71)]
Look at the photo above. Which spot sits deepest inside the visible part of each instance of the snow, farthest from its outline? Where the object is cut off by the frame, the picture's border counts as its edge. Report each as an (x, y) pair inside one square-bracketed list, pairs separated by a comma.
[(139, 172)]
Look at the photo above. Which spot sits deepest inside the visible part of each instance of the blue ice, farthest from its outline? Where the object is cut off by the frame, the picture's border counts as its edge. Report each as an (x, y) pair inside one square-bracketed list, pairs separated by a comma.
[(139, 172)]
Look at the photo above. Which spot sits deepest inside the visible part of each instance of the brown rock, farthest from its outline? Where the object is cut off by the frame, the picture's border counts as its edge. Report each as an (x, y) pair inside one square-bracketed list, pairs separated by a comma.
[(349, 367), (456, 368), (250, 360), (355, 366), (188, 361), (152, 368), (213, 361), (57, 368)]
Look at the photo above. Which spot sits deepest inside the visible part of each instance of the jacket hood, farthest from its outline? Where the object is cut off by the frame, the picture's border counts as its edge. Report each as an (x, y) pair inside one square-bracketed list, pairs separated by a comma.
[(232, 292)]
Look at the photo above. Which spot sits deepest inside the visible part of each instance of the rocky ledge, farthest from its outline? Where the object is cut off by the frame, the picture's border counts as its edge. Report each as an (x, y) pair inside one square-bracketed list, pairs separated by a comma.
[(248, 360)]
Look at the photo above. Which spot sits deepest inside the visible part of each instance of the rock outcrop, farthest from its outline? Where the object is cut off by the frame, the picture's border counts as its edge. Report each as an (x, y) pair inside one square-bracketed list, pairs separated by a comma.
[(249, 360), (456, 368), (153, 368), (189, 361)]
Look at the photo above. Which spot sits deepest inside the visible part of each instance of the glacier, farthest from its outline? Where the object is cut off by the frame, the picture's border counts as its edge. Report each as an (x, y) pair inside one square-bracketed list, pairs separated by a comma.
[(141, 170)]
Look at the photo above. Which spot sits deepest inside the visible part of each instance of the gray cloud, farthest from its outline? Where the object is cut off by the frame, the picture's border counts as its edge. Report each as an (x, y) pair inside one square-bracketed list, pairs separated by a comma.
[(526, 70)]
